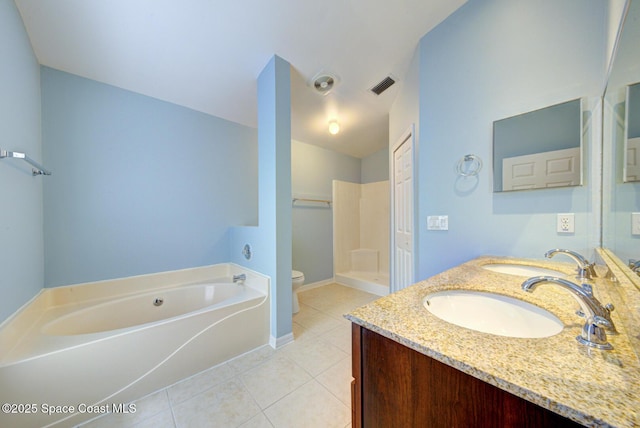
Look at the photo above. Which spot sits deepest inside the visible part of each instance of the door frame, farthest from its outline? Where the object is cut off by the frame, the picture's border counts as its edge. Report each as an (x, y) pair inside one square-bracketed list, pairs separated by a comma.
[(409, 136)]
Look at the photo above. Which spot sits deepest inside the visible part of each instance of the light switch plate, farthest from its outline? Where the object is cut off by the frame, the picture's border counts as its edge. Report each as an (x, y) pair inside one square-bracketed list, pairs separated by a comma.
[(438, 222), (566, 223)]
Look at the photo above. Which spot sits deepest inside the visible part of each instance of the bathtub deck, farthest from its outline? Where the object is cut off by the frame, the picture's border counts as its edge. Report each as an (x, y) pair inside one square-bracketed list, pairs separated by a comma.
[(202, 323), (266, 387)]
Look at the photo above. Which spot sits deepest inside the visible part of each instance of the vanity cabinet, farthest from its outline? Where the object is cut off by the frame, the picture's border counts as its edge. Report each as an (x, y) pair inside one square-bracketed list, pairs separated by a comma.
[(395, 386)]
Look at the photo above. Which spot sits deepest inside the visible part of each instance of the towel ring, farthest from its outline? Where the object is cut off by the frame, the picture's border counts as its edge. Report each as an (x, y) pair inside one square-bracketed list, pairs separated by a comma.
[(473, 169)]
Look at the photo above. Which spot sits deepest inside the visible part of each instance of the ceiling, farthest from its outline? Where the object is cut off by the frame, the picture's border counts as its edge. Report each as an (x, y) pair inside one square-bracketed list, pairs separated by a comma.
[(207, 54)]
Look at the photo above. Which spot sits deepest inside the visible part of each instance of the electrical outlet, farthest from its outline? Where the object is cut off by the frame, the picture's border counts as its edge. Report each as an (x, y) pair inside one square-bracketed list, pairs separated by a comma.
[(635, 223), (566, 223)]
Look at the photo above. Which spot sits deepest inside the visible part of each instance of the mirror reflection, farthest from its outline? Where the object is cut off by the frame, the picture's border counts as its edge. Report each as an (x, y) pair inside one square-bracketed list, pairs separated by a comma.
[(538, 149), (621, 107), (632, 123)]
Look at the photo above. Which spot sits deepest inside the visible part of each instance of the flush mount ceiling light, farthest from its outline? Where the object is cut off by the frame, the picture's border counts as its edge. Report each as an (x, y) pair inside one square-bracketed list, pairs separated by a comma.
[(334, 127)]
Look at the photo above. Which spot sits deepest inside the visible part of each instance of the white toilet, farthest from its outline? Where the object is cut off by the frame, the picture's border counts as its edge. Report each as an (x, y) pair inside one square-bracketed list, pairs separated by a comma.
[(297, 279)]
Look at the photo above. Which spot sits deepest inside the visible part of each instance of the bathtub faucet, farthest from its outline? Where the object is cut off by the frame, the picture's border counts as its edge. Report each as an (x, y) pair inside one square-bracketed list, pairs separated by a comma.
[(237, 278)]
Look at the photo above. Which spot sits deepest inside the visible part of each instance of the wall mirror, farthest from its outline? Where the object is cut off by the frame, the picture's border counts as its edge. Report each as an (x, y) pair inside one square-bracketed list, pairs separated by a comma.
[(539, 149), (631, 149), (621, 106)]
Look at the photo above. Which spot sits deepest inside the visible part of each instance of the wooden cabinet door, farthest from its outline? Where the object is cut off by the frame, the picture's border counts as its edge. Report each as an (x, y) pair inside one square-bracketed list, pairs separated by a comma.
[(400, 387)]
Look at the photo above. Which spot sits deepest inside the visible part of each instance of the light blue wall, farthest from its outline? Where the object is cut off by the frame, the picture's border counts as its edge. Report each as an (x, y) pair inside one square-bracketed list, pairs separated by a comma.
[(493, 59), (375, 167), (404, 116), (312, 171), (405, 110), (271, 239), (139, 185), (21, 232)]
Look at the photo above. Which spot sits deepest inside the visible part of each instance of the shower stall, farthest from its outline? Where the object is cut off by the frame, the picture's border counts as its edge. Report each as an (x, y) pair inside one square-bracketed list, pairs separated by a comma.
[(361, 229)]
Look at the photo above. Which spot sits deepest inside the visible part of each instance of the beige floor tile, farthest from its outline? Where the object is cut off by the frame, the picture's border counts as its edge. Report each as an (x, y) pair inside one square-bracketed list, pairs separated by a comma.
[(340, 309), (258, 421), (226, 405), (337, 379), (313, 355), (310, 406), (251, 359), (274, 379), (319, 302), (318, 323), (339, 337), (305, 313), (145, 408), (200, 382), (335, 300), (300, 332), (162, 420)]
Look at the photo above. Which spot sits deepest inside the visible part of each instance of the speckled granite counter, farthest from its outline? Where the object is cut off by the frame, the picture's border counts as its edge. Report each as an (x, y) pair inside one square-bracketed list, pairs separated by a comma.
[(592, 387)]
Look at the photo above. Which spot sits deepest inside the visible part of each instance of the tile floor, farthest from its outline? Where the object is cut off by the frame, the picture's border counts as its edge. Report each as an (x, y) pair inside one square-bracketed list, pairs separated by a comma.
[(304, 384)]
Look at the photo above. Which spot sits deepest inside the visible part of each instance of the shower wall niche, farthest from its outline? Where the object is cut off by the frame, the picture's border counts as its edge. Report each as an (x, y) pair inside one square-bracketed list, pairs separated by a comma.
[(361, 235)]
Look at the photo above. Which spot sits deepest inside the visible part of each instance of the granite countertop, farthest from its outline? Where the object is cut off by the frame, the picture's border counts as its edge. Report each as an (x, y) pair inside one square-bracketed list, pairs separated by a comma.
[(589, 386)]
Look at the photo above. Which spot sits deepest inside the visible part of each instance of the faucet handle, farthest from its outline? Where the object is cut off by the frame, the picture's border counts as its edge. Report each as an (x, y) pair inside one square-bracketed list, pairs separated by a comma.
[(593, 333), (602, 322), (586, 271), (591, 271)]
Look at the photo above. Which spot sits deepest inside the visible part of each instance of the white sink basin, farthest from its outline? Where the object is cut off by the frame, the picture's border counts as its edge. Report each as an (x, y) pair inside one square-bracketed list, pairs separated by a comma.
[(522, 270), (492, 313)]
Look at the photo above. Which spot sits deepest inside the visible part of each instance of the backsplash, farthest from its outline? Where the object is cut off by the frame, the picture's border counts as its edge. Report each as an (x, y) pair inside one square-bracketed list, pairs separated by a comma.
[(624, 290)]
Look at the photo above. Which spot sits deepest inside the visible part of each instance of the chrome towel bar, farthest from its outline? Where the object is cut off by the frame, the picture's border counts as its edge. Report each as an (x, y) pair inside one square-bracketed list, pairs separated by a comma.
[(37, 168), (322, 201)]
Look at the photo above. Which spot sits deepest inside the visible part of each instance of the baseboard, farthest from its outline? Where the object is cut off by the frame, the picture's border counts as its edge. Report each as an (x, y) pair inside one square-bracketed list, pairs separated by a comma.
[(316, 284), (279, 342)]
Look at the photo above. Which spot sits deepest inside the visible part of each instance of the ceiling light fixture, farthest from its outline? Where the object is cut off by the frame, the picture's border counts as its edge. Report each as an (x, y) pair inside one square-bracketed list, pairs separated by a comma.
[(334, 127)]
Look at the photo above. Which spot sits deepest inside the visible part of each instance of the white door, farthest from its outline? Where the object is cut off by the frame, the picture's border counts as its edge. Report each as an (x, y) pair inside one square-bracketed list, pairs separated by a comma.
[(537, 171), (402, 212), (632, 172)]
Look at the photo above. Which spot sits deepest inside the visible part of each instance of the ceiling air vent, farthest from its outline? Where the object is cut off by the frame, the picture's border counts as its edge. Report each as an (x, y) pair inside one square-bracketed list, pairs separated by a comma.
[(324, 83), (383, 86)]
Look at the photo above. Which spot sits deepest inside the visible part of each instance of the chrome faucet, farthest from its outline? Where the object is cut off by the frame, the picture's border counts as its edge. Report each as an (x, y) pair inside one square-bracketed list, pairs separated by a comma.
[(241, 277), (598, 317), (586, 270)]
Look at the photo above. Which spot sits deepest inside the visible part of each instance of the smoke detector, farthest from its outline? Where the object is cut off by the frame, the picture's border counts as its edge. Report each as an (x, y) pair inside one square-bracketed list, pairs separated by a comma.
[(323, 83)]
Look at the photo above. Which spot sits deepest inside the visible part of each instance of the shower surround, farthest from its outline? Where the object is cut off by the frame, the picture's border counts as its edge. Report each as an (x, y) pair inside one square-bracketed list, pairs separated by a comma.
[(361, 235)]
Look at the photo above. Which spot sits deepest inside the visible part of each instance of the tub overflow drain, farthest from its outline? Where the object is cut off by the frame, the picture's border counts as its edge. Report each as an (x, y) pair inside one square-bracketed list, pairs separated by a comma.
[(158, 301)]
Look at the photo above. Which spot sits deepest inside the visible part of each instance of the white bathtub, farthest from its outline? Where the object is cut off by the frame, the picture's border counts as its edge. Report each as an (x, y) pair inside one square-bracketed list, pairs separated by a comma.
[(80, 351)]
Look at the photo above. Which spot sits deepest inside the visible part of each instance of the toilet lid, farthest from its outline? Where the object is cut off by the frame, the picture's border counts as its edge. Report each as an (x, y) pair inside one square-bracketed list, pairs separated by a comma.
[(296, 274)]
